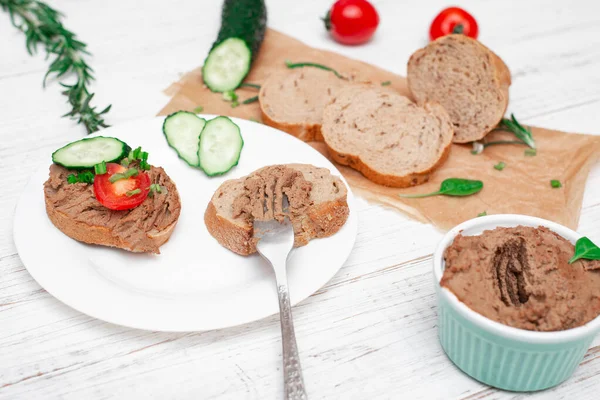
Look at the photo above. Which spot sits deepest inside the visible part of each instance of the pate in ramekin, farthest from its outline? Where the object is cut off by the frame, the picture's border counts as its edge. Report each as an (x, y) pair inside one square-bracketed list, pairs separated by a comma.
[(495, 353)]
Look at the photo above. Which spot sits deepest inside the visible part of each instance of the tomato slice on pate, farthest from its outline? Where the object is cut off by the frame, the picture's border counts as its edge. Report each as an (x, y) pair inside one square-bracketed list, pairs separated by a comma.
[(121, 188)]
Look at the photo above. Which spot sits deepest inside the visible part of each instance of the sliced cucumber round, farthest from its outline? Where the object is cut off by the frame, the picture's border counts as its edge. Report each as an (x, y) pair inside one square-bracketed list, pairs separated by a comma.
[(86, 153), (182, 130), (227, 65), (220, 146)]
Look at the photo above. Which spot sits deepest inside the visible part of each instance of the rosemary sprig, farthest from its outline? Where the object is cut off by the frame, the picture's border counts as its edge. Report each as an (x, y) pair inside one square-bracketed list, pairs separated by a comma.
[(42, 26)]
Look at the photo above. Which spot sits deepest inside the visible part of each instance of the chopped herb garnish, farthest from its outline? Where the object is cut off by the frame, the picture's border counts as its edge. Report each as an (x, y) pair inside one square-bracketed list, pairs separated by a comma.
[(81, 177), (500, 166), (198, 109), (230, 95), (585, 248), (250, 100), (100, 169), (452, 187), (125, 162), (555, 183), (478, 147), (530, 152), (72, 178), (125, 175), (482, 214), (290, 64), (133, 192), (251, 85), (386, 83), (155, 187), (140, 155)]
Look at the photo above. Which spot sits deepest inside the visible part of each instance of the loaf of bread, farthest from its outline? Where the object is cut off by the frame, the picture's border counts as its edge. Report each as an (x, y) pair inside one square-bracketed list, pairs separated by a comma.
[(466, 78), (385, 136), (293, 101), (317, 205)]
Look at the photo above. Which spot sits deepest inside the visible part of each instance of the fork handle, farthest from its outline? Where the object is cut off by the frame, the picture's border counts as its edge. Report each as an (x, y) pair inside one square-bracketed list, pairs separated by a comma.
[(292, 372)]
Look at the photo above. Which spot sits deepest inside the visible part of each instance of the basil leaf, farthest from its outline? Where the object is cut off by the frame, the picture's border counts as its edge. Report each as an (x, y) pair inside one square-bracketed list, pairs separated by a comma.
[(585, 248)]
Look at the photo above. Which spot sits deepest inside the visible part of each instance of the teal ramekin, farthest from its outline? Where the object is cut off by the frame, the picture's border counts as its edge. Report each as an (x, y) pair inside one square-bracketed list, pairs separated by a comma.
[(499, 355)]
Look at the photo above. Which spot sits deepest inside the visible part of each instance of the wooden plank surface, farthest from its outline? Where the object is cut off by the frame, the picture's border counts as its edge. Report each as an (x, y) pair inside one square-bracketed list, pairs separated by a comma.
[(370, 333)]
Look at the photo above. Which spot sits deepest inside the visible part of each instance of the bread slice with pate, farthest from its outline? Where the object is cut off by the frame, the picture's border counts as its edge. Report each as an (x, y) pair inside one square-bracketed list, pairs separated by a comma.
[(317, 205)]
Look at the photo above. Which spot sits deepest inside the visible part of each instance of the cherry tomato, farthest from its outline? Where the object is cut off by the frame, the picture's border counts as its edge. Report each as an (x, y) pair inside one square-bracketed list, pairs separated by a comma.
[(114, 195), (453, 20), (351, 21)]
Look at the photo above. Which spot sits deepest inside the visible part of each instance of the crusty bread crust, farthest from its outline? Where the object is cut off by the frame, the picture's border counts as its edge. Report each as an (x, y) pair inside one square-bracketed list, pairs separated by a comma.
[(404, 181), (304, 131), (93, 234), (320, 220), (502, 80)]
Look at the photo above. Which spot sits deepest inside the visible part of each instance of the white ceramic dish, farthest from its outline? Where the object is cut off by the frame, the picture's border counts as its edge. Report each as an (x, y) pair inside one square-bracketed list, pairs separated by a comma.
[(194, 284), (500, 355)]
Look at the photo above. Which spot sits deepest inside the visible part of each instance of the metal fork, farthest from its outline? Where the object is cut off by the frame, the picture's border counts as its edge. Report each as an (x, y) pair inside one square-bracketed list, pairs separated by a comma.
[(275, 241)]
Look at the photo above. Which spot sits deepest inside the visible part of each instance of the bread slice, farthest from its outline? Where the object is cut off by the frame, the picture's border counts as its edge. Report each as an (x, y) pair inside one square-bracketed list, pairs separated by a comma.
[(318, 206), (294, 101), (466, 78), (74, 210), (385, 136)]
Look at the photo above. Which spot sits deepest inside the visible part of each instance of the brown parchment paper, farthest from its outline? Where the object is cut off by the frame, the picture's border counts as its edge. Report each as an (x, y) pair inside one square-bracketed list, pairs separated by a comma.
[(523, 187)]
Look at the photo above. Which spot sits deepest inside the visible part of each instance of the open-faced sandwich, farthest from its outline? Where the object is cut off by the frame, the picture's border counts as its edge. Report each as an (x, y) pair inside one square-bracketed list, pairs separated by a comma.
[(100, 191), (317, 205)]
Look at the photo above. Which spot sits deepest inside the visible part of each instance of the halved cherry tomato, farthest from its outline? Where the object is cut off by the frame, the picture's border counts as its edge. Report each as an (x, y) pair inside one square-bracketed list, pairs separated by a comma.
[(351, 21), (453, 20), (114, 195)]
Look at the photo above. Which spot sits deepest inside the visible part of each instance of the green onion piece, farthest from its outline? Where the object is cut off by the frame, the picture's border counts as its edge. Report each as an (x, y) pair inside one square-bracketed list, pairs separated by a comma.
[(133, 192), (72, 178), (530, 152), (230, 95), (100, 169), (125, 162), (555, 183), (198, 109), (482, 214), (500, 166), (251, 85), (290, 64), (137, 153), (86, 177), (235, 104), (125, 175), (250, 100), (386, 83)]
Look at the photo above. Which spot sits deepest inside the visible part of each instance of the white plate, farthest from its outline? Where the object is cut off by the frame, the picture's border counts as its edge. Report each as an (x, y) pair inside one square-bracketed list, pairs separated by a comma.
[(194, 284)]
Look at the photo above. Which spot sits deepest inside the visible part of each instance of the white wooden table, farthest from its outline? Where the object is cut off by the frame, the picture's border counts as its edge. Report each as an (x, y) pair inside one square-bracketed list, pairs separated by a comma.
[(370, 333)]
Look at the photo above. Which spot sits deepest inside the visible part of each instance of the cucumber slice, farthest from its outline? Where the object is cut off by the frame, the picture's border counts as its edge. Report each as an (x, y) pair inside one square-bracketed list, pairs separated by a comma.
[(86, 153), (220, 146), (182, 131), (227, 65), (243, 25)]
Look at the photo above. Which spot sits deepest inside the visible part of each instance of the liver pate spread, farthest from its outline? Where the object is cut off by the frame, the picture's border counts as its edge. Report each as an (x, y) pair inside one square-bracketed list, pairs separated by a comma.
[(134, 227), (521, 277), (262, 198)]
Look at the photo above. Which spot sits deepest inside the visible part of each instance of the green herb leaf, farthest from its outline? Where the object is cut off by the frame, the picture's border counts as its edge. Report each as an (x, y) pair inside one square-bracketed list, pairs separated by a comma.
[(125, 162), (100, 169), (585, 248), (500, 166), (522, 133), (452, 187), (133, 192), (386, 83), (458, 29), (290, 64), (482, 214), (198, 110), (530, 152), (250, 85), (125, 175), (156, 188), (43, 27), (85, 177), (555, 183)]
